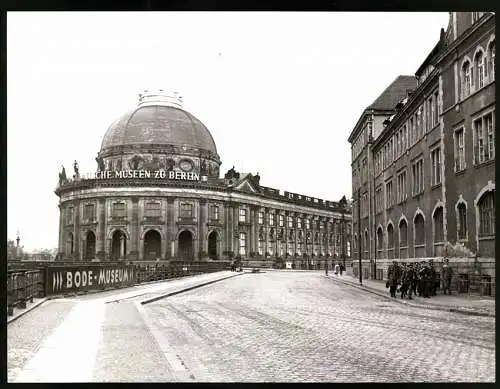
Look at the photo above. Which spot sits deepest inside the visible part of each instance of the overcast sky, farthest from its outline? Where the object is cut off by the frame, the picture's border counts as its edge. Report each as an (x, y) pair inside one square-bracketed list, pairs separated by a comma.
[(280, 92)]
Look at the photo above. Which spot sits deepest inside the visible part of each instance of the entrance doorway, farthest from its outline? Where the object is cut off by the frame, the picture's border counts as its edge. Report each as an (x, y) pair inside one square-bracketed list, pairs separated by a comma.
[(186, 245), (90, 245), (212, 245), (118, 245), (152, 245)]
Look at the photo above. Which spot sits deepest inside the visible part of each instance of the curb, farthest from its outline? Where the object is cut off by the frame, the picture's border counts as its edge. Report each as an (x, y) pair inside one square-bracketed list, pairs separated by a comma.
[(156, 298), (28, 309), (416, 305)]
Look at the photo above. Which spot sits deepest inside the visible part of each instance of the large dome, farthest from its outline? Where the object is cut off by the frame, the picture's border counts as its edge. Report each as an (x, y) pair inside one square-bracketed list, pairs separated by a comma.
[(159, 120)]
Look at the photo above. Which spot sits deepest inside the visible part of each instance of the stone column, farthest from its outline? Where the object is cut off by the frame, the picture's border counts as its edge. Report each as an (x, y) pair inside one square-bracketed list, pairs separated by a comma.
[(313, 232), (266, 231), (76, 231), (202, 229), (61, 229), (235, 231), (228, 215), (327, 232), (134, 231), (170, 233), (101, 228), (122, 246)]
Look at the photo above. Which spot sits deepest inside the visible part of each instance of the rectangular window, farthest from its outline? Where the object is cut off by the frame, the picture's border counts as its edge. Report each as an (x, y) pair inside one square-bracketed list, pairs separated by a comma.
[(118, 211), (214, 212), (299, 222), (290, 221), (261, 247), (462, 221), (152, 209), (89, 212), (70, 215), (401, 187), (412, 132), (435, 111), (281, 220), (308, 224), (484, 138), (271, 219), (186, 210), (388, 194), (459, 143), (243, 215), (243, 244), (397, 145), (418, 177), (436, 166), (261, 218)]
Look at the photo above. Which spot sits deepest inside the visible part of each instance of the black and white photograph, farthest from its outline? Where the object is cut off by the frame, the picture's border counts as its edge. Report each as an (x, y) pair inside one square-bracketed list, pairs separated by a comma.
[(292, 197)]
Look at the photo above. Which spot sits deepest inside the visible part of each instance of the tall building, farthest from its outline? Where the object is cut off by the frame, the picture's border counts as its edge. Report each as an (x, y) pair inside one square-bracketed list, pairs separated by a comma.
[(158, 194), (423, 157)]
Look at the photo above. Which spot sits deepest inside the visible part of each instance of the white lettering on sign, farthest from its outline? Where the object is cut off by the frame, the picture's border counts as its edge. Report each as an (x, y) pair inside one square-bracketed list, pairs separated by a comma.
[(90, 277), (84, 278), (77, 279), (69, 280), (113, 276), (162, 174)]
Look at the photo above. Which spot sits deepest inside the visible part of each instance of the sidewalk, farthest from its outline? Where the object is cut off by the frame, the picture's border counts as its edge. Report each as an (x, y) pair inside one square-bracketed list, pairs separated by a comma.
[(78, 339), (460, 303)]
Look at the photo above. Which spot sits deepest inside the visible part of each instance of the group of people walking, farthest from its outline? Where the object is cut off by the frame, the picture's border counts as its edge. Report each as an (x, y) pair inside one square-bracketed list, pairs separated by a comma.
[(417, 277)]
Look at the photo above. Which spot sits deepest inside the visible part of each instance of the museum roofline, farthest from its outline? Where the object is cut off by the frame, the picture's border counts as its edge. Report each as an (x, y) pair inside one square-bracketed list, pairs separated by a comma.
[(216, 185)]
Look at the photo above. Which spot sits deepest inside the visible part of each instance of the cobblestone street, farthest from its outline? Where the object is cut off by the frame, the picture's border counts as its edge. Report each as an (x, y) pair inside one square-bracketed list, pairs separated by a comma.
[(280, 326)]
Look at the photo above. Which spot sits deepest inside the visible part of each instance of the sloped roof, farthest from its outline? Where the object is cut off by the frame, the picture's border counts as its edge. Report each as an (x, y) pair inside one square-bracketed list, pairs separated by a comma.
[(394, 93)]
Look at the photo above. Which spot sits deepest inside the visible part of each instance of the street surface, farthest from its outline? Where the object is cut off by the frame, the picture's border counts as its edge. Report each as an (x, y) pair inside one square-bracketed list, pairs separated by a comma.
[(272, 326)]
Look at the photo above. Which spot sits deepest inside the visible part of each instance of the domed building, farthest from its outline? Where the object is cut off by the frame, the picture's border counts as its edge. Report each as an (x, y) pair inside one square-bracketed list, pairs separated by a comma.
[(157, 194)]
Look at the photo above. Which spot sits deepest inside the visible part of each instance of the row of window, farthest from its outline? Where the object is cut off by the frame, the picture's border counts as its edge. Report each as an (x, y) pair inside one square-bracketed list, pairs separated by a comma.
[(486, 206), (261, 246), (477, 73), (423, 120)]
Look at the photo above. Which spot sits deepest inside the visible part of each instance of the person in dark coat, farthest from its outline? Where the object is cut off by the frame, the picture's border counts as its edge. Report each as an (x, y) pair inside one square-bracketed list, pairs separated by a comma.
[(446, 274), (425, 279), (433, 279), (393, 276), (407, 281), (418, 280)]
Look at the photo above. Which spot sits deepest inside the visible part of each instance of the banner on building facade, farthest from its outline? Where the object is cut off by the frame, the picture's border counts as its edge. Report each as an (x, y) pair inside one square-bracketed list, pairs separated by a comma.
[(79, 278)]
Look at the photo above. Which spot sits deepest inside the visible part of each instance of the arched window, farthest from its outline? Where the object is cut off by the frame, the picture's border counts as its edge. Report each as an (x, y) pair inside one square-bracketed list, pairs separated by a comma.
[(462, 221), (491, 61), (403, 233), (479, 66), (487, 214), (438, 225), (390, 241), (380, 239), (419, 229), (466, 79)]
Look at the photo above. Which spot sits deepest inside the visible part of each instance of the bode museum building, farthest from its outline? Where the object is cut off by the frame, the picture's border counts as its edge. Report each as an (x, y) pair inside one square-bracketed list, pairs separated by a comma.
[(157, 194)]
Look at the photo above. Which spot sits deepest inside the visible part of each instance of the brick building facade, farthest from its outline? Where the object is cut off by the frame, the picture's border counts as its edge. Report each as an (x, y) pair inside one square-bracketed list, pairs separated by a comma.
[(423, 156), (157, 194)]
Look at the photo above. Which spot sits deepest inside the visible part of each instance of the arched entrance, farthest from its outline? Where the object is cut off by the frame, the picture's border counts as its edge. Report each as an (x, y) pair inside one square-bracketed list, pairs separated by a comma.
[(212, 245), (152, 245), (90, 245), (118, 245), (186, 245)]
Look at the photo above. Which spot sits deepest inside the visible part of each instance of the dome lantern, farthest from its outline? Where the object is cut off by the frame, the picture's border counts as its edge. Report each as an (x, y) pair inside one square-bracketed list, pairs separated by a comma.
[(160, 97)]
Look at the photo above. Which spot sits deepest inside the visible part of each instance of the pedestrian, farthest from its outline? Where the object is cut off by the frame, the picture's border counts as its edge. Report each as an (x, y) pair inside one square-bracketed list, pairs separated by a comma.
[(341, 268), (425, 278), (446, 274), (337, 269), (419, 282), (433, 279), (393, 277), (409, 280)]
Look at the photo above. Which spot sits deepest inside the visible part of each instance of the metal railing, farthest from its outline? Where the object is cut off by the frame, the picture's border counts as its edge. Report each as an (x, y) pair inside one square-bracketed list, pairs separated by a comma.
[(23, 286), (154, 271)]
